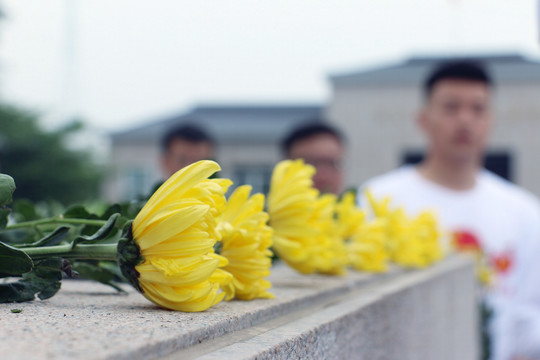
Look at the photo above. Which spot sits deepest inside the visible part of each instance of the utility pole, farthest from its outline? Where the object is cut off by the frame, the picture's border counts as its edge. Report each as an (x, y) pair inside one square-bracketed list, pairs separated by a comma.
[(70, 106)]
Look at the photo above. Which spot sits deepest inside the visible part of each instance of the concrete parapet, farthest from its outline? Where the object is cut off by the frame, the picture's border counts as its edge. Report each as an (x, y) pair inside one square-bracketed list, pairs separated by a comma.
[(415, 314)]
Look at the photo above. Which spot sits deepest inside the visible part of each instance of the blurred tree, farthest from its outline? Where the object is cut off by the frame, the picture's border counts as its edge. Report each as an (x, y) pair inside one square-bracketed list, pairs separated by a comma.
[(42, 166)]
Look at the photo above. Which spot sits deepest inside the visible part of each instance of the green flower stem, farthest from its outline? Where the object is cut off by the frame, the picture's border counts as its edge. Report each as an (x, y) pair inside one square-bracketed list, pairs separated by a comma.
[(79, 251), (40, 233), (56, 220)]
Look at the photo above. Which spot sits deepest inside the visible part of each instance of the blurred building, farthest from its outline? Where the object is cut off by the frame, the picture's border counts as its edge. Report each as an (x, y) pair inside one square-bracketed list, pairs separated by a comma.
[(247, 138), (376, 108)]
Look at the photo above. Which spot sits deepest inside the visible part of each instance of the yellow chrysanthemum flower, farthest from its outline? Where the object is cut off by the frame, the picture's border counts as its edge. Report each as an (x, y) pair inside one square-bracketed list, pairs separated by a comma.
[(412, 242), (381, 209), (169, 255), (427, 228), (305, 232), (368, 246), (366, 241), (245, 243), (291, 203), (330, 256), (349, 216)]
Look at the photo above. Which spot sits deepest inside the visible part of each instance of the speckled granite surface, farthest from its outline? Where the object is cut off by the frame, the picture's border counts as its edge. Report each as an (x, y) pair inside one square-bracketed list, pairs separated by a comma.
[(87, 320), (416, 315)]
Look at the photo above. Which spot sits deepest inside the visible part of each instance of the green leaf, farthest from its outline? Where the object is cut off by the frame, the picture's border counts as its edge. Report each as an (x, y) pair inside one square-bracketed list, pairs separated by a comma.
[(111, 210), (7, 187), (16, 292), (17, 237), (122, 221), (112, 266), (43, 281), (25, 210), (13, 262), (127, 229), (4, 213), (45, 278), (49, 208), (101, 234), (131, 209), (76, 212), (102, 274), (54, 238), (88, 230)]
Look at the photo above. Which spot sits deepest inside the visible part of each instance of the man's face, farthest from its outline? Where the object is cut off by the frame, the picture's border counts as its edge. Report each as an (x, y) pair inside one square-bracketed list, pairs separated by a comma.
[(325, 153), (457, 119), (182, 153)]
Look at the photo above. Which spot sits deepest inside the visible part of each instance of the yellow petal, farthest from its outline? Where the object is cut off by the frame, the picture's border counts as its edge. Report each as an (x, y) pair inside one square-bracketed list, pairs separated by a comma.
[(182, 181), (211, 299), (176, 222)]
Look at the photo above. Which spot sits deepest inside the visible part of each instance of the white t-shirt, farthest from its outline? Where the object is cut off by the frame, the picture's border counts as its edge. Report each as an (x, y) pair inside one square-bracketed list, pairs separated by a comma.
[(503, 218)]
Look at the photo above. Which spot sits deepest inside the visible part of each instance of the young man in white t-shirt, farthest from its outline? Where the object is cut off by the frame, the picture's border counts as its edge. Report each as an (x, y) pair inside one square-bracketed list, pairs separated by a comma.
[(503, 219)]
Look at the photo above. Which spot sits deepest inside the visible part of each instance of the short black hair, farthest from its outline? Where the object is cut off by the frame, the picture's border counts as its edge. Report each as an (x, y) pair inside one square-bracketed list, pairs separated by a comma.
[(186, 131), (457, 69), (308, 129)]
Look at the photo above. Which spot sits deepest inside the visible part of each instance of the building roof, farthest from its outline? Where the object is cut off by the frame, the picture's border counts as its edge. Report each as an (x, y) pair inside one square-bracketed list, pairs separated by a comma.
[(228, 123), (503, 67)]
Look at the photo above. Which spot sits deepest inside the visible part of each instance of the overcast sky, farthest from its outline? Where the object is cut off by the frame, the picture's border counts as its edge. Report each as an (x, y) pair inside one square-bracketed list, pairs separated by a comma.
[(118, 63)]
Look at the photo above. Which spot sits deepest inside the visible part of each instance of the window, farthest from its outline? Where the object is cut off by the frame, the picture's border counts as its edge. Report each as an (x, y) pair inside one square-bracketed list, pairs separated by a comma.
[(137, 182), (256, 176)]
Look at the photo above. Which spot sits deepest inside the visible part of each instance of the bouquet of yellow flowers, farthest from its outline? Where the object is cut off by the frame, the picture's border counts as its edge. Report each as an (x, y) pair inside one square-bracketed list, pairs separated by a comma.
[(189, 247)]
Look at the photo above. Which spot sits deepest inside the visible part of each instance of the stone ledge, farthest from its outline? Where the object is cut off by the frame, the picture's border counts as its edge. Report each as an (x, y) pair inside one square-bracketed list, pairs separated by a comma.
[(87, 320)]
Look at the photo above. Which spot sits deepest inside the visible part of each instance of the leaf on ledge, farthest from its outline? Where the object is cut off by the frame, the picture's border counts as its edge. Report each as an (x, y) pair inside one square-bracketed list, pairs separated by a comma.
[(101, 234), (54, 238), (43, 281), (97, 272), (13, 261)]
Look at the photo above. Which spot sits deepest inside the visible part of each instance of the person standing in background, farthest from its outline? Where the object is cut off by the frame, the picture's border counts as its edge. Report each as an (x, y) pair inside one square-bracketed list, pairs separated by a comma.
[(184, 145), (498, 217), (181, 146), (322, 146)]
